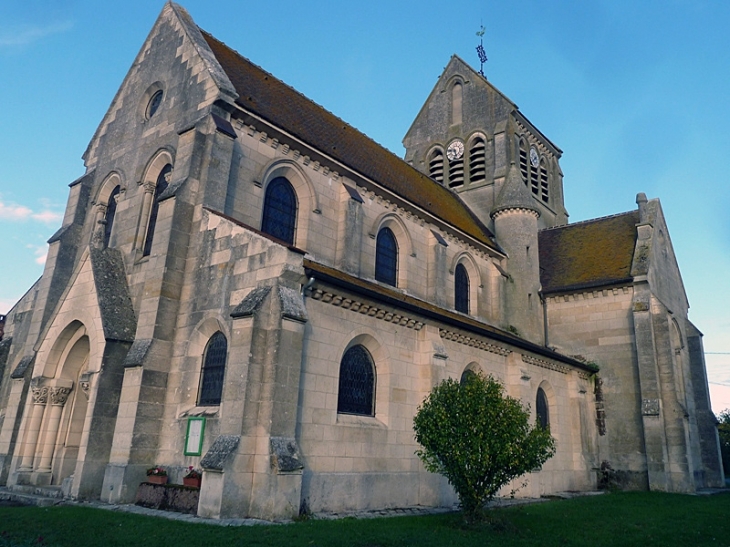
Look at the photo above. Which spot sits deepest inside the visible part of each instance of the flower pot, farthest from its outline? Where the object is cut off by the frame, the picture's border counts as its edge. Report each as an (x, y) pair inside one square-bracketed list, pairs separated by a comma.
[(157, 479), (192, 481)]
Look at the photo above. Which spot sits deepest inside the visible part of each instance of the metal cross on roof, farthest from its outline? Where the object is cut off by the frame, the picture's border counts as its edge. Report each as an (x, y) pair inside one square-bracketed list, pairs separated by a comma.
[(480, 50)]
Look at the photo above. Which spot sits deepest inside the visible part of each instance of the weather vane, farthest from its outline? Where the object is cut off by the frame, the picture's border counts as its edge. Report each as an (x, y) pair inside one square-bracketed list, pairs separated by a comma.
[(480, 50)]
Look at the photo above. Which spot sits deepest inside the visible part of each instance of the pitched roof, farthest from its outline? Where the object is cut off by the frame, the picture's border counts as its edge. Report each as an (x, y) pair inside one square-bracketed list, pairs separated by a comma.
[(587, 254), (269, 98)]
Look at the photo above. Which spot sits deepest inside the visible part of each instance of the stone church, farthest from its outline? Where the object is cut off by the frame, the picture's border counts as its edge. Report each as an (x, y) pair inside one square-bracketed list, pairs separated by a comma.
[(246, 284)]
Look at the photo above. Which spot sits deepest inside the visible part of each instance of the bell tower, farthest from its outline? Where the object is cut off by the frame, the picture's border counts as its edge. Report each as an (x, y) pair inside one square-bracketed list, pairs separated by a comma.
[(467, 135)]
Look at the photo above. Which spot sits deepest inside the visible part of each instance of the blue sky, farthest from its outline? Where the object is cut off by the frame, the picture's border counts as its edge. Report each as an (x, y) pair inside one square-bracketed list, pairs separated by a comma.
[(634, 93)]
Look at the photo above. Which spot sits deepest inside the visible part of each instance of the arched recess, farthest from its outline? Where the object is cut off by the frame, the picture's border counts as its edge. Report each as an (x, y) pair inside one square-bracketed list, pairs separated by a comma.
[(435, 160), (107, 200), (307, 201), (472, 368), (403, 237), (544, 400), (475, 280), (195, 353), (53, 434), (457, 101), (157, 173), (476, 149), (382, 368)]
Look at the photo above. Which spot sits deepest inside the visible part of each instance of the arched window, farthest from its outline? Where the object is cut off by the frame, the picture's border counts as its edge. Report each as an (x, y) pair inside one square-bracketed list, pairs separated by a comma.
[(160, 186), (280, 210), (214, 368), (541, 405), (544, 186), (436, 165), (477, 160), (456, 104), (461, 289), (456, 172), (466, 375), (111, 211), (523, 161), (356, 392), (386, 257)]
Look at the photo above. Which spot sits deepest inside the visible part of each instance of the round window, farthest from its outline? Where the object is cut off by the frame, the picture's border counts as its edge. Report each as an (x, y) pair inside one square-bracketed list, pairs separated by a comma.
[(154, 104)]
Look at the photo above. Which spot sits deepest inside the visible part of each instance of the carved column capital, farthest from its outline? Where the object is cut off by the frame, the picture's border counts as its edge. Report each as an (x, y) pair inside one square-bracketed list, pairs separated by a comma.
[(59, 395), (149, 187), (40, 395)]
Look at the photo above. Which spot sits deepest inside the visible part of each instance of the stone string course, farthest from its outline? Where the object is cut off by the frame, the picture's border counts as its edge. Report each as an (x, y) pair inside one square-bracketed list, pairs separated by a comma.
[(473, 342), (367, 309)]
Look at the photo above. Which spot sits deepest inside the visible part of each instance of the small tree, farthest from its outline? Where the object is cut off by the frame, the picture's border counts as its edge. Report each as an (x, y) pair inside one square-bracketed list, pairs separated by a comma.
[(479, 438), (723, 430)]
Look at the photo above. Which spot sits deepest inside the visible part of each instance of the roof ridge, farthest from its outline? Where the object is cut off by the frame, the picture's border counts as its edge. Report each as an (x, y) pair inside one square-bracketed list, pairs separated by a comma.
[(295, 90), (408, 170), (588, 221)]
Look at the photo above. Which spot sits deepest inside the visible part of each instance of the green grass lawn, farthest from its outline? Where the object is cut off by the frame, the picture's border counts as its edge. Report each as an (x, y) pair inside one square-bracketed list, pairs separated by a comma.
[(635, 518)]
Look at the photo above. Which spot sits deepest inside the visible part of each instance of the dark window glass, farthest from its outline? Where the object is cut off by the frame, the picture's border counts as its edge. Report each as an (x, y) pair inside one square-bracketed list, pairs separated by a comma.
[(386, 257), (543, 414), (160, 187), (111, 211), (280, 210), (154, 104), (461, 289), (214, 367), (468, 373), (356, 393)]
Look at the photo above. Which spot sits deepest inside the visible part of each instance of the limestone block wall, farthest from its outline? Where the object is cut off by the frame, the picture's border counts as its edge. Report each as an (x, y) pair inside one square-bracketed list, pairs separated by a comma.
[(598, 326), (361, 462), (337, 231)]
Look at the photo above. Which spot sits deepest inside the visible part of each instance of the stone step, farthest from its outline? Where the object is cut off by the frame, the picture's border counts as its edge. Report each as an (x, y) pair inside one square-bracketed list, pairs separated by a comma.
[(44, 491), (24, 498)]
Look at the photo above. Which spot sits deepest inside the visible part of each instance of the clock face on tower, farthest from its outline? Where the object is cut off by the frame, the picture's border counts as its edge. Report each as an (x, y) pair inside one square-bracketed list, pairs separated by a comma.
[(534, 157), (455, 150)]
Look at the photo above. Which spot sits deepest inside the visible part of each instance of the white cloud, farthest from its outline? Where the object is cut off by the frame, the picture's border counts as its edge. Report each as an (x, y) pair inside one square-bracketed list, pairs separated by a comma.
[(13, 212), (40, 252), (27, 34)]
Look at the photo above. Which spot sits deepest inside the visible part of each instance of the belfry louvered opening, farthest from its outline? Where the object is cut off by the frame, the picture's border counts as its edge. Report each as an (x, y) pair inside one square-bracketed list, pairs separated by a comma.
[(477, 160), (436, 165)]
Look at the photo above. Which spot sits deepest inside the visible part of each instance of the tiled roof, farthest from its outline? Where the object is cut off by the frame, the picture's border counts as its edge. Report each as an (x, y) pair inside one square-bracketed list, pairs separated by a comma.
[(588, 254), (269, 98)]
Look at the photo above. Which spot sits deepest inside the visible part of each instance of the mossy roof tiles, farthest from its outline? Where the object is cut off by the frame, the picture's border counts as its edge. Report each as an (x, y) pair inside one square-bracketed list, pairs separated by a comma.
[(588, 254), (279, 104)]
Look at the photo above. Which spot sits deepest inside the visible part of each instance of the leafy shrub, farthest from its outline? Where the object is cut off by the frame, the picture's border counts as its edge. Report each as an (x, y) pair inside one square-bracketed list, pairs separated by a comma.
[(479, 438)]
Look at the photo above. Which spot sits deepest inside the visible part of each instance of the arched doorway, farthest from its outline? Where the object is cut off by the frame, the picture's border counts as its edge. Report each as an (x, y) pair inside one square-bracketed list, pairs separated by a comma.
[(58, 410)]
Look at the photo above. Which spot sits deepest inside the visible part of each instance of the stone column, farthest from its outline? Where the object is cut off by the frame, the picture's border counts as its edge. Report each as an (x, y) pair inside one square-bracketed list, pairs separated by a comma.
[(149, 190), (97, 238), (40, 398), (58, 395)]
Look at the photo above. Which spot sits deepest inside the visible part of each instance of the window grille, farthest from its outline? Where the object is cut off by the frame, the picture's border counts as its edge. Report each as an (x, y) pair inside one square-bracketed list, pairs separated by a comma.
[(541, 405), (544, 186), (436, 166), (280, 210), (534, 180), (111, 211), (456, 173), (461, 289), (214, 367), (160, 187), (356, 394), (386, 257), (477, 161), (523, 161)]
